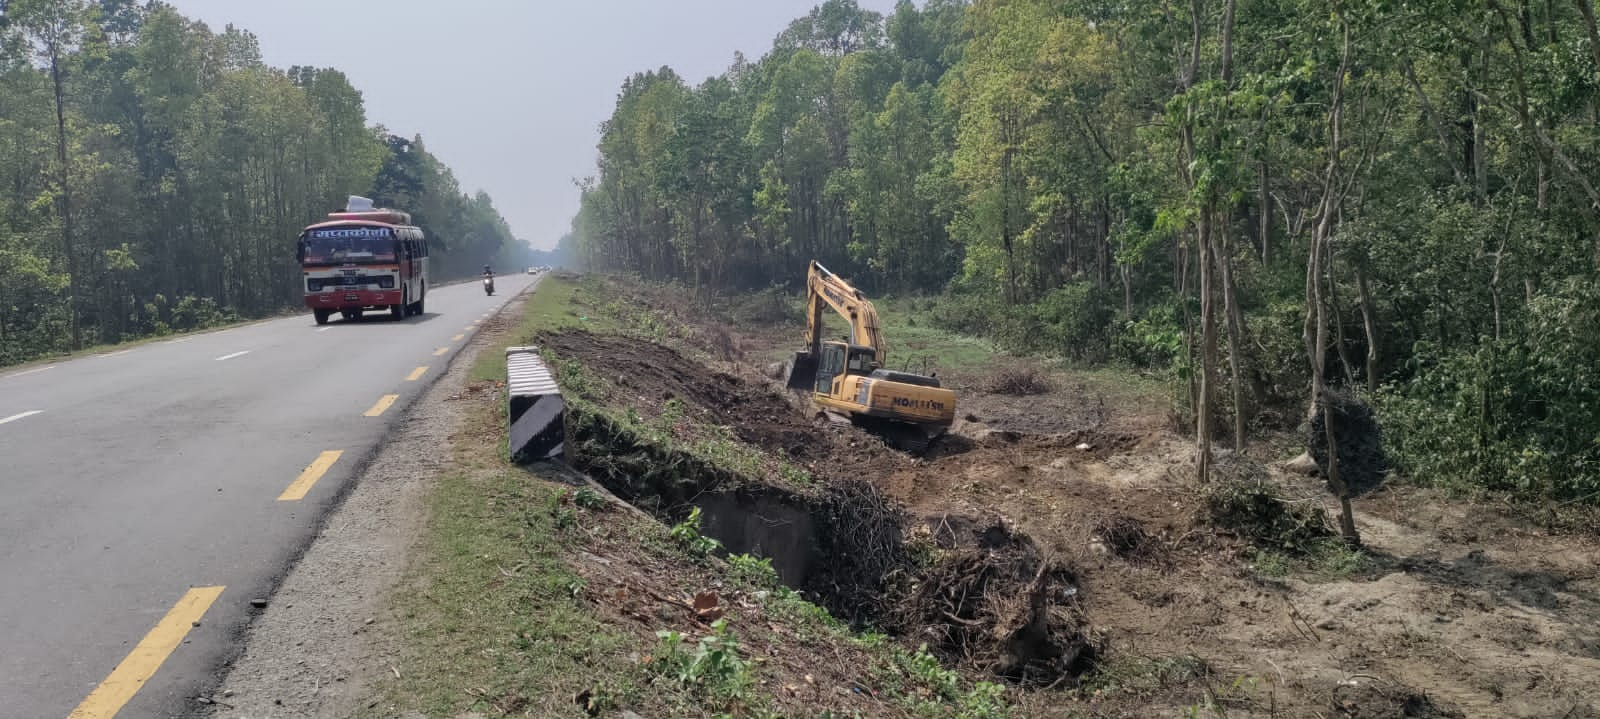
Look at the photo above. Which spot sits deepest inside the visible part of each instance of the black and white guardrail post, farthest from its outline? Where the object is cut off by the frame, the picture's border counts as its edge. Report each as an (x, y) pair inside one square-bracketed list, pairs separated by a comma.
[(535, 409)]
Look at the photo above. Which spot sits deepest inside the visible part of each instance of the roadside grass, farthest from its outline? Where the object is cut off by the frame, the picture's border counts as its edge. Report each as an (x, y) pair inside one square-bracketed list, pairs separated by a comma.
[(561, 301), (495, 623), (497, 617)]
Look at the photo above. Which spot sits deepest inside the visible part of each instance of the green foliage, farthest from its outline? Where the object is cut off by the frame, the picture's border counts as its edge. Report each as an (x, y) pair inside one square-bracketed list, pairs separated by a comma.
[(712, 667), (589, 499), (1051, 166), (687, 535), (154, 175), (753, 572), (927, 689), (1518, 415)]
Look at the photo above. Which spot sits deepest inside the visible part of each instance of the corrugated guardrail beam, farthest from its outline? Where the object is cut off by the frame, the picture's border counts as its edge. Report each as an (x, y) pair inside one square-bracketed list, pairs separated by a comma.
[(535, 411)]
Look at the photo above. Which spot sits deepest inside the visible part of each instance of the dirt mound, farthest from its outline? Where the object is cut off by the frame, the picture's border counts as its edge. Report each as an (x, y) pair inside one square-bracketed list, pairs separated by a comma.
[(1017, 382), (1254, 511), (653, 375), (1362, 698), (1125, 538), (999, 606)]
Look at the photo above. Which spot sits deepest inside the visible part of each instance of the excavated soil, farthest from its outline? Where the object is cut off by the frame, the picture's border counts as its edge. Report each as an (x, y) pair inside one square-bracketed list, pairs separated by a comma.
[(994, 602), (1459, 609)]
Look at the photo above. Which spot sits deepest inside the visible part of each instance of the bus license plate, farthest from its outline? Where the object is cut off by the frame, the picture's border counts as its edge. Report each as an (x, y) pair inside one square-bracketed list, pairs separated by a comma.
[(351, 298)]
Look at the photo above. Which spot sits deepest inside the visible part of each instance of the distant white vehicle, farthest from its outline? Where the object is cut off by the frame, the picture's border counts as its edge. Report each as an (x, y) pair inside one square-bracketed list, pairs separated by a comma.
[(533, 270)]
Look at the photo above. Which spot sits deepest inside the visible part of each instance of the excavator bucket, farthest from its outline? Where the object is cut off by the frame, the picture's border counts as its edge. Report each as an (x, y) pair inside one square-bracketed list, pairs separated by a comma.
[(803, 372)]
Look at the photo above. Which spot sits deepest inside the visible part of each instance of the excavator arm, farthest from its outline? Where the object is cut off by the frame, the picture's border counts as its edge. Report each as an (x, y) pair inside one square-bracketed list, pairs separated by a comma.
[(825, 289)]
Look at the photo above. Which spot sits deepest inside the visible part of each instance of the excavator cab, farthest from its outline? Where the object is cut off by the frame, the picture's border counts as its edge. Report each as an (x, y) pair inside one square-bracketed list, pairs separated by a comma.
[(840, 358)]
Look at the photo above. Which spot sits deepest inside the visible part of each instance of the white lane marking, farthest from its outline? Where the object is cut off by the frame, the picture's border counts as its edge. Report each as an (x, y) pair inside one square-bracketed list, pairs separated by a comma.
[(179, 341), (115, 354), (23, 415), (324, 329), (236, 354), (35, 370)]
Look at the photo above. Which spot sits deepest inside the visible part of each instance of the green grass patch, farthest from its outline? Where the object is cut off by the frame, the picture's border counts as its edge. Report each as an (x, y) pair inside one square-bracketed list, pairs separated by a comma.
[(494, 623), (559, 302)]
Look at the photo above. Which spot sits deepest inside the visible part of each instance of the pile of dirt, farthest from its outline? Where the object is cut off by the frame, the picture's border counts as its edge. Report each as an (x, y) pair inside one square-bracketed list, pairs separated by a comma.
[(652, 374), (998, 606), (1255, 512), (1362, 697), (1017, 381), (1125, 538)]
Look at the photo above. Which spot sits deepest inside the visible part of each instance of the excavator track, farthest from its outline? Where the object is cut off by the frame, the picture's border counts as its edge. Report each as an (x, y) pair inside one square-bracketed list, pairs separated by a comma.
[(912, 439)]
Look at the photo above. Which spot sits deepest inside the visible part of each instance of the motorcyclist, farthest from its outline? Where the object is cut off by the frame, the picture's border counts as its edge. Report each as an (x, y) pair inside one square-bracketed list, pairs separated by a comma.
[(487, 272)]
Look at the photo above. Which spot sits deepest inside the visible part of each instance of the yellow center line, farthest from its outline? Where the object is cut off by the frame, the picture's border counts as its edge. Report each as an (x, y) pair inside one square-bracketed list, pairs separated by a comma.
[(301, 485), (416, 374), (141, 664), (383, 404), (457, 338), (440, 352)]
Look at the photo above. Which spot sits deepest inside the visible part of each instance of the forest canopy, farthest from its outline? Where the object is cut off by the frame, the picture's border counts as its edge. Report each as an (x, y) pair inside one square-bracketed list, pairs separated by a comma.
[(154, 175), (1253, 196)]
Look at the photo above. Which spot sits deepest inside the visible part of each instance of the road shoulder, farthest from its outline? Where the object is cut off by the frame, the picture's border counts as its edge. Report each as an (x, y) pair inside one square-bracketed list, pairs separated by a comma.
[(321, 643)]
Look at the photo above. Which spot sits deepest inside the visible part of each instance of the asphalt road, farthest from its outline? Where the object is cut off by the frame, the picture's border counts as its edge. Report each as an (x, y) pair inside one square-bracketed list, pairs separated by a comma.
[(150, 494)]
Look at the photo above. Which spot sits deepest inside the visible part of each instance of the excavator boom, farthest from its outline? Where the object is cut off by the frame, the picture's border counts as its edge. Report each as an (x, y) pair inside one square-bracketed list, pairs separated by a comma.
[(826, 290)]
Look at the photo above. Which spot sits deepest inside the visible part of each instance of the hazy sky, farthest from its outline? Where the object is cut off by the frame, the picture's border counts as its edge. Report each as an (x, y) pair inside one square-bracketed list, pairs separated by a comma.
[(508, 93)]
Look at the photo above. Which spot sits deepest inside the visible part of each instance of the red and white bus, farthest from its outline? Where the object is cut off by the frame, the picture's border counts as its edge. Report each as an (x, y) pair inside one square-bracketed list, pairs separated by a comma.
[(364, 258)]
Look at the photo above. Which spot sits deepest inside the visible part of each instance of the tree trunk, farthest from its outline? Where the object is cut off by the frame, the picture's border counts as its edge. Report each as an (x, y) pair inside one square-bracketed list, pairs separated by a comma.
[(1480, 163), (1586, 9), (1208, 345), (1006, 239), (1371, 326), (1230, 300), (1265, 201), (65, 199), (1317, 321), (1340, 345)]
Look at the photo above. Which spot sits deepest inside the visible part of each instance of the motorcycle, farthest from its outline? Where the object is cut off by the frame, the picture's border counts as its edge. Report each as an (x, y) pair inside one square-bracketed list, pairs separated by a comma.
[(488, 286)]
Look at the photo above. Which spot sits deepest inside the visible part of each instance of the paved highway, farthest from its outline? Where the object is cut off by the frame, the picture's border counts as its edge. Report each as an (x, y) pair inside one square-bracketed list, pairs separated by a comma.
[(150, 494)]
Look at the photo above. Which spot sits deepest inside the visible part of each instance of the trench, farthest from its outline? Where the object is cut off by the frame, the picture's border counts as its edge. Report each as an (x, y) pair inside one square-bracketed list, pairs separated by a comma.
[(991, 602), (837, 546)]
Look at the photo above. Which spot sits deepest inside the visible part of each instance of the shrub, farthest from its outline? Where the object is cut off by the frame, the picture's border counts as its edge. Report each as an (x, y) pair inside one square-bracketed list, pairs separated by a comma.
[(1518, 415)]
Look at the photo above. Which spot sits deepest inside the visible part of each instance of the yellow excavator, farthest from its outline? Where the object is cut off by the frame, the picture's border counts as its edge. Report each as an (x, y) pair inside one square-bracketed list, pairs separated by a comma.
[(847, 380)]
